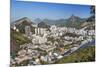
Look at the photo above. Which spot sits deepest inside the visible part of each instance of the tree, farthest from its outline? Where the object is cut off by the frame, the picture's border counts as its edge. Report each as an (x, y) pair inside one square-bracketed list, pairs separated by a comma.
[(92, 12), (92, 8)]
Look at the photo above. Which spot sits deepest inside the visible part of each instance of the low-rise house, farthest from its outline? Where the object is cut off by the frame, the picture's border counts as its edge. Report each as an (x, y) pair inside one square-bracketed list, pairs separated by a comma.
[(20, 59), (47, 48), (91, 32), (22, 53), (33, 53)]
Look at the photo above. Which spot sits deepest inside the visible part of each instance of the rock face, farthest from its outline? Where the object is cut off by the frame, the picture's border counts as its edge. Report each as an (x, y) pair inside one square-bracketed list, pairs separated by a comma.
[(22, 23)]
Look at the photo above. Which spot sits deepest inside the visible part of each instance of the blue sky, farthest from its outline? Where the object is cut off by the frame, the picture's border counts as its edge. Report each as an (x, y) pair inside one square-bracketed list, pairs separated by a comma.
[(42, 10)]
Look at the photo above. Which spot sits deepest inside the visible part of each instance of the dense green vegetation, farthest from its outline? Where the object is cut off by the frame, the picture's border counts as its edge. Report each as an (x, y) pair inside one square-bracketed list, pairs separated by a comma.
[(81, 55), (67, 46), (19, 38)]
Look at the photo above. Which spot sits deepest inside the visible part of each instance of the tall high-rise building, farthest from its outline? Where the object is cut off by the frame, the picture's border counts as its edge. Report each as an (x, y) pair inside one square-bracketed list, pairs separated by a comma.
[(40, 30), (27, 30)]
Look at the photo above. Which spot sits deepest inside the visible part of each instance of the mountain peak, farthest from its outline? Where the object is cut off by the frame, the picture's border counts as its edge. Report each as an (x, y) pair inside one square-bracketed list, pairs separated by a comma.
[(74, 18), (23, 20), (37, 20), (43, 25)]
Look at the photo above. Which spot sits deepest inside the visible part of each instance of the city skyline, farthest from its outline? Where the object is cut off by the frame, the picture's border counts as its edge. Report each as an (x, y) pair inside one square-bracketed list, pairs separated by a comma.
[(42, 10)]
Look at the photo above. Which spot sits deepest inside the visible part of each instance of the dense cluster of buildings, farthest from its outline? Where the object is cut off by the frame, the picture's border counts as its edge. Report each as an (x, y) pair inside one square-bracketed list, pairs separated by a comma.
[(43, 49)]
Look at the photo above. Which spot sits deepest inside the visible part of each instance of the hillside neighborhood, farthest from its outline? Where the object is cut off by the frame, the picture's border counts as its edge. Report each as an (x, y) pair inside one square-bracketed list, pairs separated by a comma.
[(51, 33), (47, 44)]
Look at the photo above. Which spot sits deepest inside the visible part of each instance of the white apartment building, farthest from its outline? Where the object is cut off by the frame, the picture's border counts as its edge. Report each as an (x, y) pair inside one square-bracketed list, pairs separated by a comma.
[(91, 32), (40, 31), (53, 28), (38, 39)]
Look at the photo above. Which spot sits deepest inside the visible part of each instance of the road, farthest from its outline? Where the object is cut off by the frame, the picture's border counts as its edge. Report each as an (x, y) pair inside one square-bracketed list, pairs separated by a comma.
[(71, 50)]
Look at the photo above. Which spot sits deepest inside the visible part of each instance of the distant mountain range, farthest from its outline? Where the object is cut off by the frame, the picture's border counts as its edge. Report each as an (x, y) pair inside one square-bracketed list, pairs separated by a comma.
[(54, 22), (72, 21), (50, 21)]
